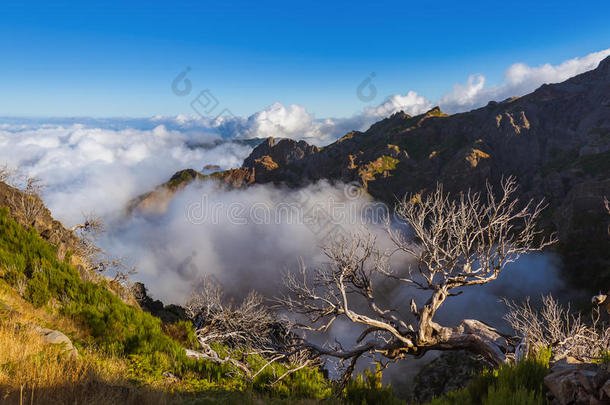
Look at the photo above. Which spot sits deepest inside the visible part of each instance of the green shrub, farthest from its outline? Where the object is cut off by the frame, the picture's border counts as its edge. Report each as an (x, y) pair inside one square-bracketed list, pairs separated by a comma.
[(604, 359), (183, 332), (502, 394), (517, 384), (37, 291), (123, 330), (368, 389), (308, 382)]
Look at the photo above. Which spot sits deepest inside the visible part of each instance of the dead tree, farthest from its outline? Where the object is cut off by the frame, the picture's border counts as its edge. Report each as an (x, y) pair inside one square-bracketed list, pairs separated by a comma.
[(96, 260), (87, 232), (246, 329), (27, 203), (451, 244), (7, 174), (247, 324), (557, 328), (92, 225)]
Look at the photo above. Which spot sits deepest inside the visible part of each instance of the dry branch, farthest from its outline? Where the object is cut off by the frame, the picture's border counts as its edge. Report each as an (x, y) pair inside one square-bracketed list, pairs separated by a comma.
[(247, 329), (555, 327), (452, 243)]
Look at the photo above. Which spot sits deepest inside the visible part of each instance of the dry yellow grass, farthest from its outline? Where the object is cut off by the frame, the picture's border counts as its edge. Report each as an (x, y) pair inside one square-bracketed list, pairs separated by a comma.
[(44, 317), (33, 372)]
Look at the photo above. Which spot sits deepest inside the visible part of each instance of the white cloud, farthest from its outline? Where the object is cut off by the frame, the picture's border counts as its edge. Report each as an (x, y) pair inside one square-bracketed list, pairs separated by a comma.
[(101, 163), (233, 235), (92, 168), (526, 78), (463, 95), (294, 122), (519, 79), (411, 103), (278, 121)]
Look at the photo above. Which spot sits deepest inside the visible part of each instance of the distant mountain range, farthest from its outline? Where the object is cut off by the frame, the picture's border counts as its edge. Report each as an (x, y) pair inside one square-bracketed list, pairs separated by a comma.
[(556, 141)]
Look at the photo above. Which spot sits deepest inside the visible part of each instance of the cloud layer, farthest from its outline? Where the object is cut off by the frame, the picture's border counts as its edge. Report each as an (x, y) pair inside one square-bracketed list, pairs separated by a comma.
[(100, 164), (101, 168), (245, 238), (519, 79), (295, 122)]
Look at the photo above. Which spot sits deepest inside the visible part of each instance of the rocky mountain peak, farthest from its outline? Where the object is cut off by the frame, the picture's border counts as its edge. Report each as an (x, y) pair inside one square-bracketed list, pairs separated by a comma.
[(399, 115), (435, 111), (283, 151), (555, 141)]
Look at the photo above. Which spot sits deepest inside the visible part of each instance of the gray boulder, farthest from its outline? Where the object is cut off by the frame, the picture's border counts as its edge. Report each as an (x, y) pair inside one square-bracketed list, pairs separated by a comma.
[(55, 337), (578, 384)]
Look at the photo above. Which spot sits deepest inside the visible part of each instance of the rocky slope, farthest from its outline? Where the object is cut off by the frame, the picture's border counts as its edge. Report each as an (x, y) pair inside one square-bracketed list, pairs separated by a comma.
[(556, 140), (29, 210)]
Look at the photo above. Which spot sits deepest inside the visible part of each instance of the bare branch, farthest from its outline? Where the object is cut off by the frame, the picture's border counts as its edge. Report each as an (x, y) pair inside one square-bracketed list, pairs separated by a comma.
[(452, 243), (27, 203), (7, 174), (566, 333), (92, 224), (248, 325)]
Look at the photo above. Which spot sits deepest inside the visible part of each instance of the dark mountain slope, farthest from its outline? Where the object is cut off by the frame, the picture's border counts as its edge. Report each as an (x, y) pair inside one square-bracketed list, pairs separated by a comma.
[(556, 140)]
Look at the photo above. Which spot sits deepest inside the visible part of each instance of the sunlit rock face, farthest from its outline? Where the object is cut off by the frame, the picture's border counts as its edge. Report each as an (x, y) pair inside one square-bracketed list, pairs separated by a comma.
[(556, 141)]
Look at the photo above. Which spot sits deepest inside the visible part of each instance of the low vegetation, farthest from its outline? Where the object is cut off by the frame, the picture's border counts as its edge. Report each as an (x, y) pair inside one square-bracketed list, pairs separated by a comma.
[(125, 354), (129, 356), (381, 165), (520, 384), (112, 336)]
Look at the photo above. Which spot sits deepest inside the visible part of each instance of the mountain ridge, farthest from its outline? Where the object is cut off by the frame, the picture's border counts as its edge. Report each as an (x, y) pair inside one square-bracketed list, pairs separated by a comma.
[(555, 140)]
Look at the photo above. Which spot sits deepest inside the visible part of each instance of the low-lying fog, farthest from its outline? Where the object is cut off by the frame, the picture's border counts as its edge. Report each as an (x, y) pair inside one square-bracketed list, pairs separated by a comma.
[(245, 238)]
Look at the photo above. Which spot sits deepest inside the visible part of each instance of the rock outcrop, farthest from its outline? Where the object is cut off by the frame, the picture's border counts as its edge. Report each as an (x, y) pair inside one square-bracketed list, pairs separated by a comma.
[(55, 337), (602, 300), (448, 372), (157, 200), (578, 384), (47, 227), (283, 151), (167, 313)]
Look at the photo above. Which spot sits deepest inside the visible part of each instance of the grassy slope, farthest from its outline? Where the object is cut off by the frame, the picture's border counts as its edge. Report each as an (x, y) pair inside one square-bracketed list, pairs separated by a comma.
[(125, 352)]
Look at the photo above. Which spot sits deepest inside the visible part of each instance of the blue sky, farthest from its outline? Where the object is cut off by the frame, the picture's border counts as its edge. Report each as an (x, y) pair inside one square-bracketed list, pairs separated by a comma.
[(119, 58)]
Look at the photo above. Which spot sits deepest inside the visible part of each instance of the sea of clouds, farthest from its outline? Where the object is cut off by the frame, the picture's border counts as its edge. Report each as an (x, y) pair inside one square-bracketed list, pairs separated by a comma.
[(99, 165)]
